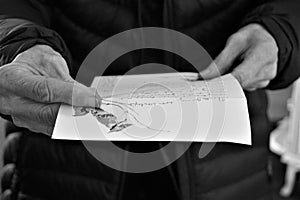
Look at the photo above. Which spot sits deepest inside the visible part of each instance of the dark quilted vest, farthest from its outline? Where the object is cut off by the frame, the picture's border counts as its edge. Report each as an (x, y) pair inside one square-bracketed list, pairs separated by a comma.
[(37, 167)]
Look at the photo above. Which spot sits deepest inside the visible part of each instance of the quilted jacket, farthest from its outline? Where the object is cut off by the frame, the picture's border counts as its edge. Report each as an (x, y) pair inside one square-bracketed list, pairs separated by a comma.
[(36, 167)]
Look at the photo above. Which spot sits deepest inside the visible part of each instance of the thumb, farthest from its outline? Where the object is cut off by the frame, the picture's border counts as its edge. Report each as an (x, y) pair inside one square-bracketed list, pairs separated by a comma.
[(224, 60), (52, 90)]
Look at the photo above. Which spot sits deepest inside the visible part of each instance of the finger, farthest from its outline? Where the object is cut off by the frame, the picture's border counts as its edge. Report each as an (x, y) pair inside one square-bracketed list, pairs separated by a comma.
[(224, 60), (240, 76), (37, 117), (246, 77), (255, 70), (268, 71), (258, 85), (33, 125), (5, 108), (250, 89), (34, 111), (49, 90)]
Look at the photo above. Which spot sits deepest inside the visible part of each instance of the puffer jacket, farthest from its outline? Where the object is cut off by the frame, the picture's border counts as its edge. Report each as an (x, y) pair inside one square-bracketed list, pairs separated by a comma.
[(36, 167)]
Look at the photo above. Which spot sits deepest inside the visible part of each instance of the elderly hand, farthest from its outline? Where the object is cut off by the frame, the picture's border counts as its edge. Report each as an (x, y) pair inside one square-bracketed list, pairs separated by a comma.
[(33, 86), (257, 52)]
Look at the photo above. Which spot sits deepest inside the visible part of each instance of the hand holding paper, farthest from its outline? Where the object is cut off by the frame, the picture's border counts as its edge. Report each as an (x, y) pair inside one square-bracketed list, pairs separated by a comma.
[(160, 107)]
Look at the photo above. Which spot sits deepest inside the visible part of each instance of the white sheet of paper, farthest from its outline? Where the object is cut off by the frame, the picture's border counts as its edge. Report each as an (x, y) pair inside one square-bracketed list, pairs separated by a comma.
[(163, 107)]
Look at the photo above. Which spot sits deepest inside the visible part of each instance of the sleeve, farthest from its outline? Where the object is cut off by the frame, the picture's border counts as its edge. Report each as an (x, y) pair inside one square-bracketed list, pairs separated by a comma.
[(25, 23), (282, 19)]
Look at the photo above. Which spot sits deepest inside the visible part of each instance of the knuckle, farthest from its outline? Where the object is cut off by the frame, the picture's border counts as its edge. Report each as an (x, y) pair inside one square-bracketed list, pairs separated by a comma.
[(238, 37), (42, 91), (48, 114), (3, 71), (273, 48), (49, 130), (241, 77), (18, 122), (268, 50), (263, 84), (51, 59), (268, 72), (235, 37), (4, 107), (7, 74), (34, 128), (250, 89), (230, 39), (273, 71), (6, 110)]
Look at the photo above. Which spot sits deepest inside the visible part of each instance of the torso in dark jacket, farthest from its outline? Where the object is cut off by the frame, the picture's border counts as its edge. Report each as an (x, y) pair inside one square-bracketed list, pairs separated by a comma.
[(83, 24), (64, 170)]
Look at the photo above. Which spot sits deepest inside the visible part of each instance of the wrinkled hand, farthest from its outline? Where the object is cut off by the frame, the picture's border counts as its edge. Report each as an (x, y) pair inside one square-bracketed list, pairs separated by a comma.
[(257, 52), (33, 86)]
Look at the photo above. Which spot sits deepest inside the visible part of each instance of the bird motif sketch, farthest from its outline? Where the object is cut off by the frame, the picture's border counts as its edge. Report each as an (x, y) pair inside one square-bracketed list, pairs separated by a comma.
[(113, 122)]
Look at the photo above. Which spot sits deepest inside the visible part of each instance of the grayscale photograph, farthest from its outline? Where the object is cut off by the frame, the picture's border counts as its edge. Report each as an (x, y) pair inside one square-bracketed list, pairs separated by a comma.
[(149, 100)]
